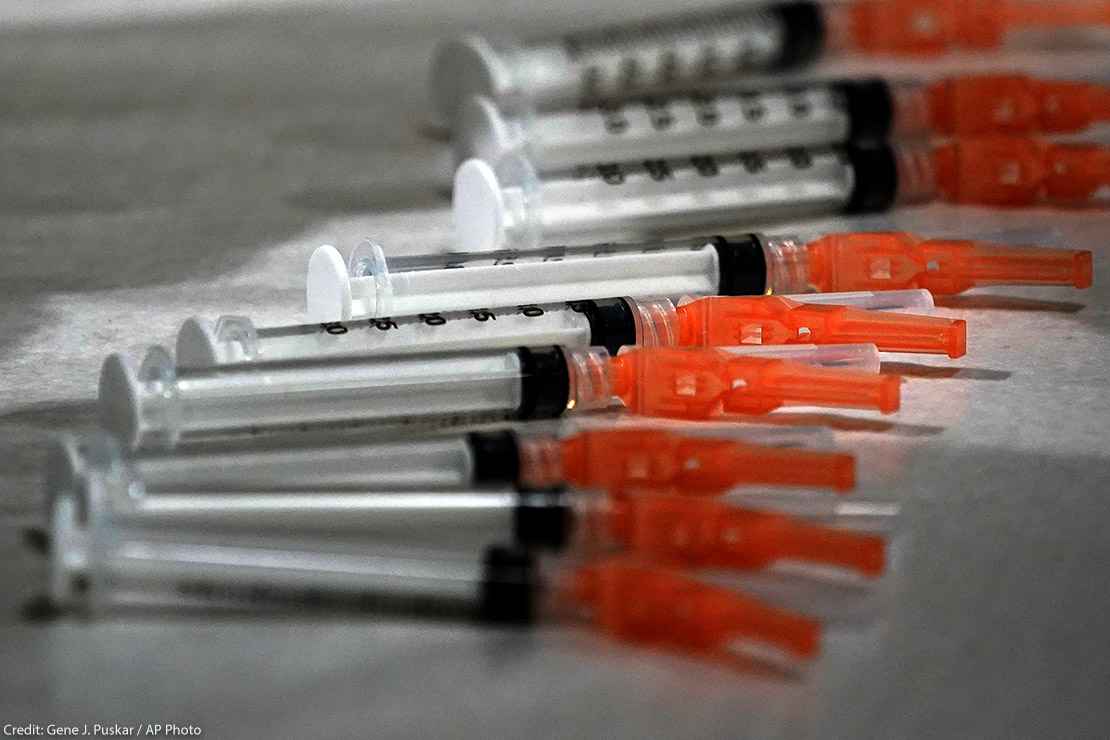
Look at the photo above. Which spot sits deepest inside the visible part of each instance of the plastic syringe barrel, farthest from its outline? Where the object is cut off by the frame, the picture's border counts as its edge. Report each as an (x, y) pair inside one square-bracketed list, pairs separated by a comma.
[(157, 406), (511, 206), (113, 546), (680, 53), (818, 114), (368, 286)]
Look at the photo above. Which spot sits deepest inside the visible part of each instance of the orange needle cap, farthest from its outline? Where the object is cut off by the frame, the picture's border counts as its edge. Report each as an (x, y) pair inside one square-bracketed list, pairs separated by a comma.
[(651, 605), (703, 383), (935, 26), (974, 105), (709, 533), (723, 321), (895, 260), (1001, 171), (623, 459)]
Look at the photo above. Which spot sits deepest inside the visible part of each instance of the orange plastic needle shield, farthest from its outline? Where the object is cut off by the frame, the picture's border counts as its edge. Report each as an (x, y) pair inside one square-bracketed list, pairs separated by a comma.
[(703, 383), (1014, 104), (896, 260), (934, 26), (622, 459), (1003, 171), (708, 533), (724, 321), (656, 606)]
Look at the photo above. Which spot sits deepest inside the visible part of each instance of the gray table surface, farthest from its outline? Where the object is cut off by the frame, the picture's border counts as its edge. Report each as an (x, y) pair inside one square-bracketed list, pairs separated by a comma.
[(159, 169)]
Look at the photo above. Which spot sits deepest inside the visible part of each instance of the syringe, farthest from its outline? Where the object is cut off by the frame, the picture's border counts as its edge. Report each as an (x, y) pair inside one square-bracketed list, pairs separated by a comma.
[(157, 406), (746, 264), (744, 324), (611, 459), (511, 206), (614, 63), (686, 53), (103, 558), (369, 286), (816, 114), (99, 567), (610, 323), (586, 523)]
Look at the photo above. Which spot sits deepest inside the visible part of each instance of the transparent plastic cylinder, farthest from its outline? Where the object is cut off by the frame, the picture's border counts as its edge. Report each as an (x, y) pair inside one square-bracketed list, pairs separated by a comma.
[(513, 207), (232, 339), (656, 129), (114, 541), (154, 405), (610, 63), (436, 463), (100, 565), (370, 286)]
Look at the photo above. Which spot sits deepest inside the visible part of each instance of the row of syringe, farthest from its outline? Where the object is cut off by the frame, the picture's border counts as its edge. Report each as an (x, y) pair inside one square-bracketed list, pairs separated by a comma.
[(283, 521), (173, 531), (469, 360), (685, 53), (538, 165), (280, 467)]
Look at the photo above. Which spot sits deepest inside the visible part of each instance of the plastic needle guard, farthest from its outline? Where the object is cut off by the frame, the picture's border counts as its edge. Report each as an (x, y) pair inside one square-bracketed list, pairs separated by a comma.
[(1001, 171), (723, 321), (707, 533), (703, 383), (622, 459), (1014, 104), (935, 26), (895, 260), (657, 606)]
